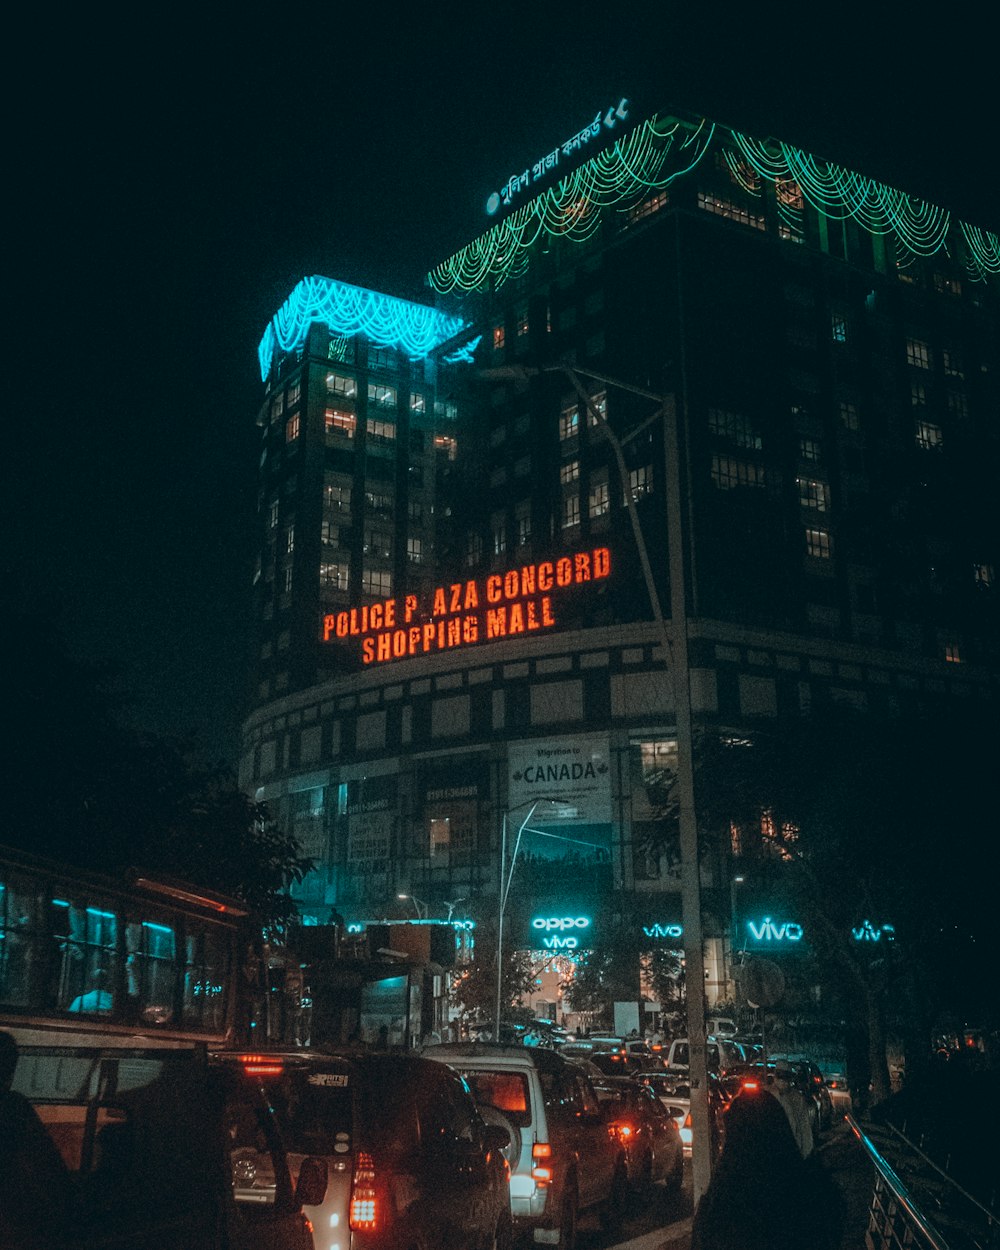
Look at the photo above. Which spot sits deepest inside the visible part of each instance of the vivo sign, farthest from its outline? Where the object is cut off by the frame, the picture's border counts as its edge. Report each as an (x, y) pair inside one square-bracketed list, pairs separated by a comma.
[(787, 931), (561, 931), (663, 930)]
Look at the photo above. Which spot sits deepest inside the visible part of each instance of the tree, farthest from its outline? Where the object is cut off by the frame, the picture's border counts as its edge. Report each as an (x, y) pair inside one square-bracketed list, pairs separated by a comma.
[(474, 990)]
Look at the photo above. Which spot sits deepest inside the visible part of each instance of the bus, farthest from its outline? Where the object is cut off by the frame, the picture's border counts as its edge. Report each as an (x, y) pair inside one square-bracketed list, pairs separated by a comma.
[(91, 958)]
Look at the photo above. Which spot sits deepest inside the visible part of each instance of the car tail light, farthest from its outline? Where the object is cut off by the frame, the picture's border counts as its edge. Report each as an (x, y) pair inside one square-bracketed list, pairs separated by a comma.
[(623, 1129), (364, 1206), (261, 1065), (541, 1164), (750, 1086)]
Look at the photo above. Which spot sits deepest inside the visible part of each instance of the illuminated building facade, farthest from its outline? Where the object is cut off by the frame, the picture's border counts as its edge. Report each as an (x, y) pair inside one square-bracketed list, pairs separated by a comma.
[(453, 600)]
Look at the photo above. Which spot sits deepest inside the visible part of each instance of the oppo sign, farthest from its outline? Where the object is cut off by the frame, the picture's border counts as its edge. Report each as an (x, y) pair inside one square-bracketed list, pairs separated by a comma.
[(562, 933)]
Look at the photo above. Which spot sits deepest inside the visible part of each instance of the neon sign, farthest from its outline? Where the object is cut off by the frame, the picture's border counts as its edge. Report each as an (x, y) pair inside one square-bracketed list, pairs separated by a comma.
[(502, 605), (550, 161), (867, 932), (768, 931), (663, 930), (555, 926)]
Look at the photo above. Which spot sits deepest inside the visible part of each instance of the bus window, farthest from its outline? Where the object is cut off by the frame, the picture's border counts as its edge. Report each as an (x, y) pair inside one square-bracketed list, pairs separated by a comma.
[(150, 970), (86, 938), (19, 942)]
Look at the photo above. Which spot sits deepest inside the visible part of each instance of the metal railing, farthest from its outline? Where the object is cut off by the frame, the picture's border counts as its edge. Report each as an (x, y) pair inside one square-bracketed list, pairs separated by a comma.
[(926, 1211)]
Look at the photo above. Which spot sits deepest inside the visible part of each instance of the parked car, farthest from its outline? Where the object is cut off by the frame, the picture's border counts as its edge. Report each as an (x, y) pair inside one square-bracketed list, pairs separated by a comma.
[(818, 1090), (163, 1150), (610, 1054), (673, 1092), (410, 1159), (760, 1075), (563, 1157), (649, 1134), (835, 1080)]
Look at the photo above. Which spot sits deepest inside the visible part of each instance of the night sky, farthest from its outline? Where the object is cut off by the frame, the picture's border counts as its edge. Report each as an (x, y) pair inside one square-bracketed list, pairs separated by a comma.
[(172, 182)]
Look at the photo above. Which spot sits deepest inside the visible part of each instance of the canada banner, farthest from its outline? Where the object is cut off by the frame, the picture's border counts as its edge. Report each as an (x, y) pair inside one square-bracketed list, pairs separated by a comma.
[(501, 605)]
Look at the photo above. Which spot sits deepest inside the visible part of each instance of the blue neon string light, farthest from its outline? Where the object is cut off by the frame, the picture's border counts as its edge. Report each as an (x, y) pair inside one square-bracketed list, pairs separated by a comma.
[(413, 329)]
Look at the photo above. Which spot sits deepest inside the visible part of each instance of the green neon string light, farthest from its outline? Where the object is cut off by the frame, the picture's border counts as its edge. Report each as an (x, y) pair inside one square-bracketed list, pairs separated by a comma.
[(346, 310), (574, 208), (661, 151)]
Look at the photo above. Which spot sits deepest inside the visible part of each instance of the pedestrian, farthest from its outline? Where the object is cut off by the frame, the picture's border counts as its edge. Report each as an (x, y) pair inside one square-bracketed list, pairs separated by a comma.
[(36, 1189), (763, 1195), (795, 1104)]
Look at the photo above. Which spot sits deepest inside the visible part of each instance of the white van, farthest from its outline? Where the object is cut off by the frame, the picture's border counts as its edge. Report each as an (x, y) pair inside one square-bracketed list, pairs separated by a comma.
[(722, 1054)]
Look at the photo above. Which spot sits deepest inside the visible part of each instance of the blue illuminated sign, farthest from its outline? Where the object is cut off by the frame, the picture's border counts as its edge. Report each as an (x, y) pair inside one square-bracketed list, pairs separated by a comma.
[(867, 932), (770, 931), (516, 183), (663, 930), (562, 933)]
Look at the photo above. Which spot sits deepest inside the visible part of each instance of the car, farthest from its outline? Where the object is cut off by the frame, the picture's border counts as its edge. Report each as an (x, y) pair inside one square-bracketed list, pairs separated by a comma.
[(563, 1158), (753, 1076), (649, 1134), (410, 1159), (610, 1054), (818, 1089), (720, 1026), (674, 1094), (156, 1147), (721, 1054), (835, 1080)]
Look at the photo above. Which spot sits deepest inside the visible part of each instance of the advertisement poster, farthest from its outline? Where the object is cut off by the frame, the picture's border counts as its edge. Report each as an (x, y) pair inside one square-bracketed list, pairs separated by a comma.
[(560, 799)]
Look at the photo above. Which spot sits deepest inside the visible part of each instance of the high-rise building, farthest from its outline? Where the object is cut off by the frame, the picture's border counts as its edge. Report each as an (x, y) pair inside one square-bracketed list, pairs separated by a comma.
[(459, 561)]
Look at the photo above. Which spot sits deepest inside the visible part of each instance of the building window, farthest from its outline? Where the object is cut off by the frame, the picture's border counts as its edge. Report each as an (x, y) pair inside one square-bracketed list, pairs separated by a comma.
[(850, 418), (952, 654), (499, 337), (333, 576), (522, 322), (930, 436), (728, 473), (415, 511), (571, 511), (341, 349), (569, 422), (376, 582), (378, 543), (414, 550), (814, 495), (382, 395), (810, 449), (648, 207), (958, 404), (379, 502), (918, 354), (984, 576), (277, 406), (499, 531), (272, 516), (523, 522), (819, 544), (292, 426), (473, 549), (952, 363), (329, 534), (838, 327), (288, 579), (341, 384), (599, 405), (598, 502), (733, 426), (294, 394), (918, 395), (289, 540), (336, 497), (381, 357), (340, 421), (418, 402), (730, 210), (569, 472), (640, 481), (446, 409), (947, 286), (384, 430), (445, 443)]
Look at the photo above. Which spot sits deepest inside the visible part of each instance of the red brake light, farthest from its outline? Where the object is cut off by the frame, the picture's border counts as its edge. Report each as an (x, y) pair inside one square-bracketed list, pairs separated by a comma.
[(364, 1208), (261, 1065), (541, 1164)]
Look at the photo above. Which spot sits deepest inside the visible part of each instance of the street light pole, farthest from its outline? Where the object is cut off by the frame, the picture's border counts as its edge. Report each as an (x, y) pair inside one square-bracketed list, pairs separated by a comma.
[(674, 642)]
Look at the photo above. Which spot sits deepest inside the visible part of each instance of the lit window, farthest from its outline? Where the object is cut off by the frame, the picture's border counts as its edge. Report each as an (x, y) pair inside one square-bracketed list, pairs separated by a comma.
[(499, 337), (640, 481), (523, 525), (341, 384), (382, 395), (377, 501), (729, 473), (814, 494), (648, 207), (446, 444), (339, 421), (952, 653), (918, 354), (473, 549), (289, 540), (838, 327), (294, 394), (414, 550), (380, 429), (569, 422), (376, 582), (277, 406), (819, 544), (946, 285), (930, 437), (329, 534), (418, 402), (288, 579), (733, 426), (598, 502), (569, 472), (447, 409), (571, 511), (272, 517), (292, 426), (810, 449), (730, 210), (333, 576), (984, 575), (415, 511), (440, 837), (598, 403), (850, 418), (522, 322), (337, 497), (378, 543), (499, 530), (381, 357)]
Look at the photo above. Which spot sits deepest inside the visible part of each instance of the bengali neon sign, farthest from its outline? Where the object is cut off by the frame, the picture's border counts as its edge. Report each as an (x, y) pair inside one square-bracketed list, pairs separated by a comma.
[(487, 609)]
